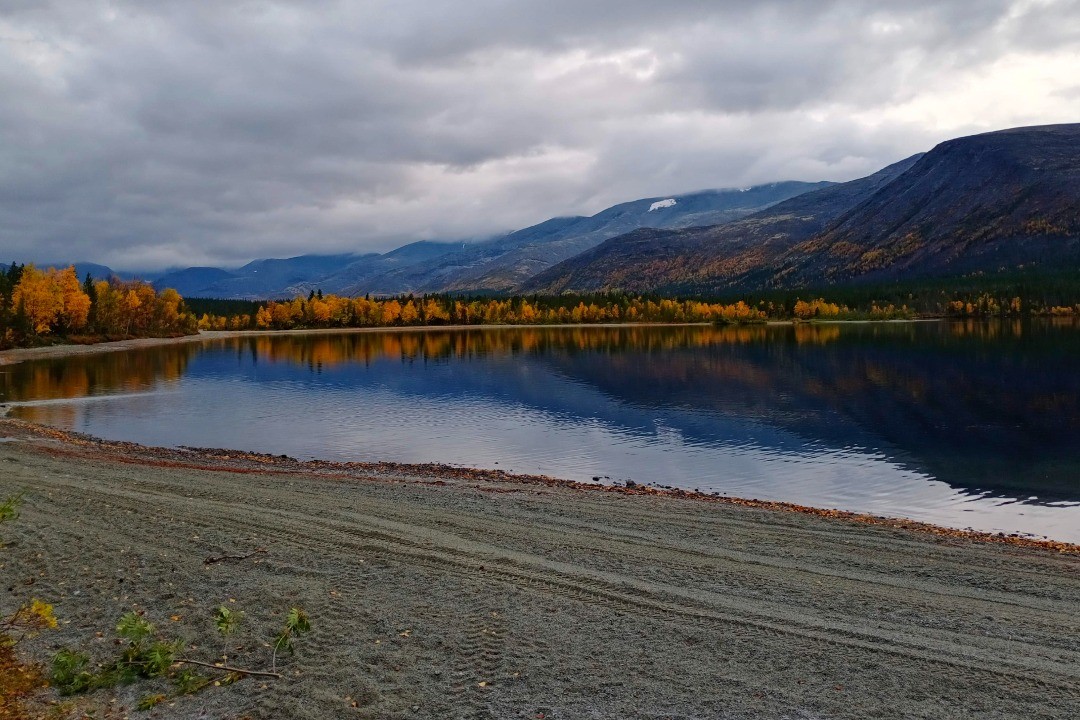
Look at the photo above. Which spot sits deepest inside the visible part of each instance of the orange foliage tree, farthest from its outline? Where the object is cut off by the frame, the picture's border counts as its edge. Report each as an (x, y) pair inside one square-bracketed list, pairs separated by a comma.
[(35, 304), (331, 311)]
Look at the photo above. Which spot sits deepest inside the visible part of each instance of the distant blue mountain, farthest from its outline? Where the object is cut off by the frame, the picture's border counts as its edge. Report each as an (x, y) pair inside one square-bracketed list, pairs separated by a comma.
[(495, 265), (258, 279), (98, 272)]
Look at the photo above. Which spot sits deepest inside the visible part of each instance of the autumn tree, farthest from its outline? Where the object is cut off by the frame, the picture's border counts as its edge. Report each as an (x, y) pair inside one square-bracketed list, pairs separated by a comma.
[(39, 297), (391, 312), (320, 310), (409, 313), (74, 302), (36, 303)]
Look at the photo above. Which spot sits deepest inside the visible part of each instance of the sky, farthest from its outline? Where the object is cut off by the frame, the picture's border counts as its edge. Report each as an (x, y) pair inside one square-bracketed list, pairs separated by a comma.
[(170, 133)]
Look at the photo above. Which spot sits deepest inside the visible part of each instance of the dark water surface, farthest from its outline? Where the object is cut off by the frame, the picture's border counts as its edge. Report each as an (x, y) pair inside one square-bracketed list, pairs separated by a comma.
[(963, 424)]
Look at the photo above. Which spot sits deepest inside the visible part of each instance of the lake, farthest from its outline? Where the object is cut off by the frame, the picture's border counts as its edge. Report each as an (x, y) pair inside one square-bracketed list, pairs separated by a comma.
[(966, 424)]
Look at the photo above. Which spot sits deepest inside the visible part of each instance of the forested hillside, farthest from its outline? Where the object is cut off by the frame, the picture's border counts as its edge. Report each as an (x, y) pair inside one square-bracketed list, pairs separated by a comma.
[(997, 202)]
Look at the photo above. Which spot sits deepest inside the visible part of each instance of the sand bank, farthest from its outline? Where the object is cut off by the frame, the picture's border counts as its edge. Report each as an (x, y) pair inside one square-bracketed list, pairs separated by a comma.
[(447, 593)]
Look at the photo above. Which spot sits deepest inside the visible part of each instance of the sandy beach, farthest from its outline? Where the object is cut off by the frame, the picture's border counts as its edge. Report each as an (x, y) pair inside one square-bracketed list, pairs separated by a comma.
[(448, 593)]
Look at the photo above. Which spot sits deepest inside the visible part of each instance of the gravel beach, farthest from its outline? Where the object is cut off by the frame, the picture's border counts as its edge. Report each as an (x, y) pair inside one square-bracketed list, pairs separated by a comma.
[(446, 593)]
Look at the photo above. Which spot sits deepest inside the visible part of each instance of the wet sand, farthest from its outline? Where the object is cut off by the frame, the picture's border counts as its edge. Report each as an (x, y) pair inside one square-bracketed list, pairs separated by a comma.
[(437, 592)]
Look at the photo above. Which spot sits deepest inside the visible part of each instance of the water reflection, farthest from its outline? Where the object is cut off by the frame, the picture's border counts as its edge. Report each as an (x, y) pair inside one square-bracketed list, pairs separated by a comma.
[(852, 413)]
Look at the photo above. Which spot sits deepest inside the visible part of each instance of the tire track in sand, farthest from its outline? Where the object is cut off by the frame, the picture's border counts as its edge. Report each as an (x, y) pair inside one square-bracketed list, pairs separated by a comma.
[(621, 593), (422, 546)]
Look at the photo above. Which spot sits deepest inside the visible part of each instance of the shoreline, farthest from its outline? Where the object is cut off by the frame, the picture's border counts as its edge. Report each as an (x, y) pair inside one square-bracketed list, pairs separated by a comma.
[(18, 355), (438, 591), (245, 462), (1032, 535)]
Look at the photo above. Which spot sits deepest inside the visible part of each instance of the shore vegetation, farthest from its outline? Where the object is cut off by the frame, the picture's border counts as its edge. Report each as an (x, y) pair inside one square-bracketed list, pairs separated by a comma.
[(41, 307)]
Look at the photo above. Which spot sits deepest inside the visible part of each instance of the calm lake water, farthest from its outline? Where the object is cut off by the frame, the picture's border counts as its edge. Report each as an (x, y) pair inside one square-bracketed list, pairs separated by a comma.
[(964, 424)]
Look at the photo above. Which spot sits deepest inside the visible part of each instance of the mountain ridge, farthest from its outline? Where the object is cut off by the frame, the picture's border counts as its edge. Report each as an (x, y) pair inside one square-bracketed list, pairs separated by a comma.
[(997, 201), (981, 203), (642, 254), (497, 265)]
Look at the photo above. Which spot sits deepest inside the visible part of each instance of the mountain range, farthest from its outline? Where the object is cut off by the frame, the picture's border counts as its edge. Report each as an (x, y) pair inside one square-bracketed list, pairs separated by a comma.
[(982, 203), (496, 265)]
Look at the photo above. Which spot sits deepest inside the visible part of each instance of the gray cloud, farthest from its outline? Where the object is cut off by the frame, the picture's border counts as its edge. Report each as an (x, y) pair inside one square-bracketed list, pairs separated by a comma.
[(144, 134)]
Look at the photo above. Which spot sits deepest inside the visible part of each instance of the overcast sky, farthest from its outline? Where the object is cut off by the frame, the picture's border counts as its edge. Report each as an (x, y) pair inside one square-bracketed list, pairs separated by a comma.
[(159, 133)]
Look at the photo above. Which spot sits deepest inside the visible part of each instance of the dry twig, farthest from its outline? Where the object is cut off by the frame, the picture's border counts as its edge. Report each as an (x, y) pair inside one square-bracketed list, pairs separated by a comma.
[(226, 668), (211, 560)]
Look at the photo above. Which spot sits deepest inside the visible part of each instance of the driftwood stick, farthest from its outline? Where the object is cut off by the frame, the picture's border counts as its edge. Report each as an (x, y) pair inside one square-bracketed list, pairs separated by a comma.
[(226, 668), (212, 560)]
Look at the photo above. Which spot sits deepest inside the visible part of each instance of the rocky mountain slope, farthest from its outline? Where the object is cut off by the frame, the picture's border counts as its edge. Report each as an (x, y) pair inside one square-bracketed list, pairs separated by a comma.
[(982, 203), (525, 257), (648, 259), (973, 204)]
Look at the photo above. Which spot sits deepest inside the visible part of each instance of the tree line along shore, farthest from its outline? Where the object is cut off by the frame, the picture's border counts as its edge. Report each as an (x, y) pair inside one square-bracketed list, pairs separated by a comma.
[(38, 307), (41, 307)]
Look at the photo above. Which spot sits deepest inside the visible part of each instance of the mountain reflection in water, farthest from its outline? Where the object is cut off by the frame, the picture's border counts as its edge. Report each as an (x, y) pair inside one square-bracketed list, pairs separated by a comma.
[(871, 417)]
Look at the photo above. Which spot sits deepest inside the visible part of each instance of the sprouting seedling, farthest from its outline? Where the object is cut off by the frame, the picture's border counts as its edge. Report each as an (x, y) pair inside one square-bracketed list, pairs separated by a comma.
[(134, 628), (9, 509), (145, 655), (71, 672), (226, 621), (296, 624)]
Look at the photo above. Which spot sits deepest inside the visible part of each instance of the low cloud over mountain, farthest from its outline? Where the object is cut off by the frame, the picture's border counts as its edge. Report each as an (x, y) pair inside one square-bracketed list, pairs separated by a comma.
[(167, 133)]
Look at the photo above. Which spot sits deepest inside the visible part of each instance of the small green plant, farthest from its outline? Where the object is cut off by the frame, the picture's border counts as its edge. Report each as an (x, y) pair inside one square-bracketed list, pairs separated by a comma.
[(71, 673), (226, 620), (296, 624), (148, 702), (188, 682), (147, 656), (144, 657), (9, 509), (134, 627), (159, 657)]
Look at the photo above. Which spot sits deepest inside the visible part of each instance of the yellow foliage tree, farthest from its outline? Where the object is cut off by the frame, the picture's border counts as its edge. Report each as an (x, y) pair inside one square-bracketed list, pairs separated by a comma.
[(409, 313), (74, 303), (39, 297)]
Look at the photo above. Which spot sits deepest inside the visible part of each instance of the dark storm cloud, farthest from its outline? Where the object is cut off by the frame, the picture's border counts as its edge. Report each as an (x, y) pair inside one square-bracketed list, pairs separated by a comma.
[(144, 134)]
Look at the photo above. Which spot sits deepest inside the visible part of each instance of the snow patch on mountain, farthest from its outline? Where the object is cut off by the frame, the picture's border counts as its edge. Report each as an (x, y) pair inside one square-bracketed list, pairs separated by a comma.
[(660, 204)]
